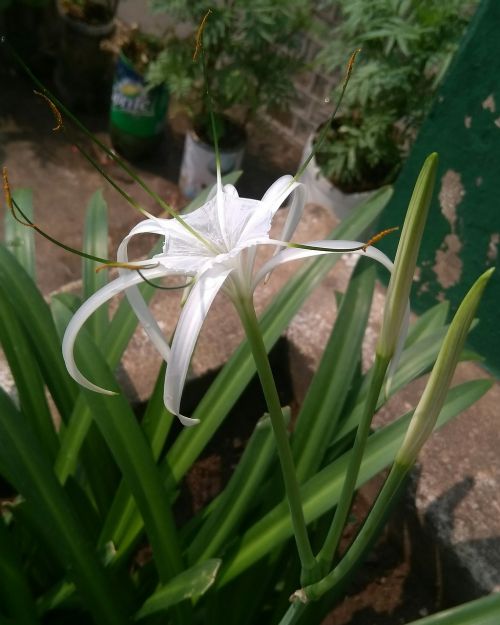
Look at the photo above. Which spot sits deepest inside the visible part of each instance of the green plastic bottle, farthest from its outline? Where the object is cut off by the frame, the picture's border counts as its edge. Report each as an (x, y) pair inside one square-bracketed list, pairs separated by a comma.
[(137, 116)]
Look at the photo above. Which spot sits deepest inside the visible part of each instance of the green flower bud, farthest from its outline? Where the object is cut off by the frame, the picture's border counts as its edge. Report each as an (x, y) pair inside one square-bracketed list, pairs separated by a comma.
[(406, 258), (432, 400)]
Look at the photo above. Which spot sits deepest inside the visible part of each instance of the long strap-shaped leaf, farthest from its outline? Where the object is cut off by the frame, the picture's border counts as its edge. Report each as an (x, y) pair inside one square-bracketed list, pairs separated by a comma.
[(26, 374), (322, 407), (19, 239), (321, 492), (238, 495), (484, 611), (95, 242), (122, 433), (15, 592), (33, 312), (33, 477)]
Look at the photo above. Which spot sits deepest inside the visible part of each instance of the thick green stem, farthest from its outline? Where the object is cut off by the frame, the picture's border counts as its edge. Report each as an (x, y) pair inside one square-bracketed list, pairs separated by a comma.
[(363, 541), (331, 544), (251, 325)]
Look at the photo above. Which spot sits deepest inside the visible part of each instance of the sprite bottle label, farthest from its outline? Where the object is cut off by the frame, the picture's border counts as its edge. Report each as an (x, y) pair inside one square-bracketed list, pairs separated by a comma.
[(135, 109)]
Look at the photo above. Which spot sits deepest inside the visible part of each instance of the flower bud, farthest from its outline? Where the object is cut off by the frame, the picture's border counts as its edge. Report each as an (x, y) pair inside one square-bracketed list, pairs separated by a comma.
[(432, 400), (406, 258)]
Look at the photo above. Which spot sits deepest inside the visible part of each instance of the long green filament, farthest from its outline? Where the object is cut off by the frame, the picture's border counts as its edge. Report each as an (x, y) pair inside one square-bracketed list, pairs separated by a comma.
[(324, 131), (57, 104)]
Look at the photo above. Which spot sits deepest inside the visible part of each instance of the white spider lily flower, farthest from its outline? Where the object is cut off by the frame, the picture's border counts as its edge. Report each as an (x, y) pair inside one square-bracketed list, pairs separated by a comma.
[(217, 250)]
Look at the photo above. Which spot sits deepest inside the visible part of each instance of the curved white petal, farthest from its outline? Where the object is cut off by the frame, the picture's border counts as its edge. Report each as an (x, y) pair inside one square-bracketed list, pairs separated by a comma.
[(86, 310), (136, 301), (341, 247), (186, 335)]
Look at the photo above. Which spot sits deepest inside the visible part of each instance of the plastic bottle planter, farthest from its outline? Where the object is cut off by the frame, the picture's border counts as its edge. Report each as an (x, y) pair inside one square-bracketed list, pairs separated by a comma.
[(84, 72), (198, 169), (321, 191), (137, 118)]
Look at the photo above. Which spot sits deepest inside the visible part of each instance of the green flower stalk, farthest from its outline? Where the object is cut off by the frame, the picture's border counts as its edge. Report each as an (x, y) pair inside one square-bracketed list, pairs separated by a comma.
[(396, 307), (419, 430), (431, 402), (390, 344)]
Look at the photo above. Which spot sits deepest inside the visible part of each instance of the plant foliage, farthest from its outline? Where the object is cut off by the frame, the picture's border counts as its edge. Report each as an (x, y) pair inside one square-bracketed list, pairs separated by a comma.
[(407, 45)]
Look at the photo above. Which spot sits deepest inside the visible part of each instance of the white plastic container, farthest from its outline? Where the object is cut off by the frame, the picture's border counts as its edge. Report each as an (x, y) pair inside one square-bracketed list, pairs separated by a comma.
[(198, 168), (321, 191)]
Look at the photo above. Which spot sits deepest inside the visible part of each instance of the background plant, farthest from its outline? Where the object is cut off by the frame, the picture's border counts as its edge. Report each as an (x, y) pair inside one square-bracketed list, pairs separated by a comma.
[(242, 75), (407, 46)]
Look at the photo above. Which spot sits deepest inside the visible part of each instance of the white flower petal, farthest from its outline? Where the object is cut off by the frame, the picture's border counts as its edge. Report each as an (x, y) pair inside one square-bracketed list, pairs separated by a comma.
[(185, 337), (340, 247), (86, 310), (134, 296)]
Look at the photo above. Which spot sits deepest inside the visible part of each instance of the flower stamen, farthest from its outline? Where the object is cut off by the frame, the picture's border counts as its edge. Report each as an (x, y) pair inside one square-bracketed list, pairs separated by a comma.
[(53, 108), (376, 238)]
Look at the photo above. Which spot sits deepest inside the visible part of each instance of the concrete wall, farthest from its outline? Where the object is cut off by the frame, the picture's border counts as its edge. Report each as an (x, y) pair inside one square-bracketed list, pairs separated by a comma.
[(462, 238)]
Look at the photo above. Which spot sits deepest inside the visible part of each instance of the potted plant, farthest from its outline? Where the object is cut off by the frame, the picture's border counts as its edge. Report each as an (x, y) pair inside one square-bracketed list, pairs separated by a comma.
[(137, 112), (84, 71), (406, 49), (242, 77)]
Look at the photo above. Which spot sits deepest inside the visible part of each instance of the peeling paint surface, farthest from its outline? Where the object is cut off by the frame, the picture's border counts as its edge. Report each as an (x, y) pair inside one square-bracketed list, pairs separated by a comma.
[(450, 196), (493, 247), (468, 121), (489, 104), (448, 267)]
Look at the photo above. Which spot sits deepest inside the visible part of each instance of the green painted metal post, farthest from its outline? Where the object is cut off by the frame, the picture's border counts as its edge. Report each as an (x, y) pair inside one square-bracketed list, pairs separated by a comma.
[(462, 237)]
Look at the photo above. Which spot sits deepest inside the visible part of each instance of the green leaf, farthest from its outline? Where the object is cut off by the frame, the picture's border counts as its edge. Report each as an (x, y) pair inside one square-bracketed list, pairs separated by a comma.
[(190, 584), (95, 242), (156, 425), (15, 592), (27, 377), (123, 435), (322, 407), (33, 477), (321, 493), (431, 320), (484, 611), (19, 239), (34, 314), (241, 491)]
